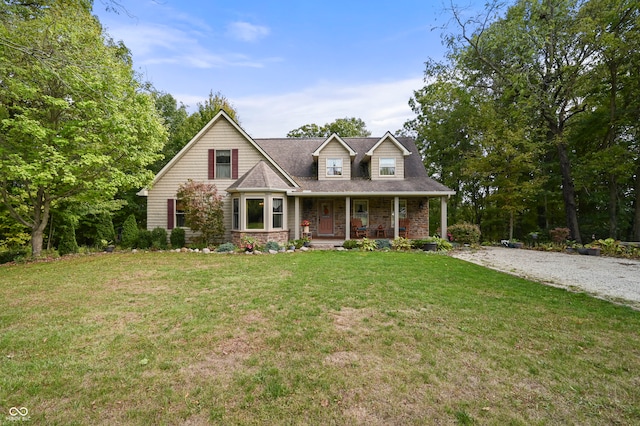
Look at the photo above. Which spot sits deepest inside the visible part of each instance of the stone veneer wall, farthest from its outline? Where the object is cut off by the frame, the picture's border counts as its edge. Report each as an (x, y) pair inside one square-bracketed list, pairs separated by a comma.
[(281, 237)]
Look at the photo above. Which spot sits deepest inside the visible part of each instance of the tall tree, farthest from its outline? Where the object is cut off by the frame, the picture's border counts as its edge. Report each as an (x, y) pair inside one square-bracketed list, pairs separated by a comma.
[(74, 122), (538, 57)]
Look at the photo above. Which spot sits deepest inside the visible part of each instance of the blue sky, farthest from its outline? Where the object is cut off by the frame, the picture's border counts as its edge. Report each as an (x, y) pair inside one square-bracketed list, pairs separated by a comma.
[(285, 63)]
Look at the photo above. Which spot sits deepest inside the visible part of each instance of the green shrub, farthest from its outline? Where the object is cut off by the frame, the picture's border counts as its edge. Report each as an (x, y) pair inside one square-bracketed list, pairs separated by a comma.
[(177, 238), (159, 238), (145, 239), (444, 245), (272, 245), (129, 232), (465, 233), (350, 244), (104, 230), (383, 244), (401, 243), (366, 244), (226, 248), (68, 243)]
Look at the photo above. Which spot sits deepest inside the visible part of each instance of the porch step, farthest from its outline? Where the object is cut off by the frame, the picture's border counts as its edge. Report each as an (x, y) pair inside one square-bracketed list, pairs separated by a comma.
[(325, 245)]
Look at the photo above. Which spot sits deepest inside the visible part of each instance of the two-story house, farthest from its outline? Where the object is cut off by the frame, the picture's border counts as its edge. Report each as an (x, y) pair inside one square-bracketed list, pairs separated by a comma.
[(271, 185)]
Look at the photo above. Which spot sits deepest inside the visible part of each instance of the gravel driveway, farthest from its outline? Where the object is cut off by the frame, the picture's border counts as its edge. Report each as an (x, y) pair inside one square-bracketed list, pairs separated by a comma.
[(608, 278)]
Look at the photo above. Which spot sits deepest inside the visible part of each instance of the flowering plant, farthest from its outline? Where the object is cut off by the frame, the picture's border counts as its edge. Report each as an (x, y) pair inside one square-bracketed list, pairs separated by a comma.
[(249, 243), (305, 222)]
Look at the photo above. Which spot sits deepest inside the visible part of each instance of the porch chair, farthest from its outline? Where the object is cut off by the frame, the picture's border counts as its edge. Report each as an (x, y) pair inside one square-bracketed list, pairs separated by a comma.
[(358, 229), (403, 228)]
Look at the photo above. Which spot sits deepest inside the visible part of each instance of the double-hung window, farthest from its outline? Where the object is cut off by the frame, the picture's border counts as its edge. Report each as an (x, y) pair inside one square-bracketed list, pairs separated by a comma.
[(387, 167), (180, 220), (334, 166), (236, 213), (277, 212), (223, 164)]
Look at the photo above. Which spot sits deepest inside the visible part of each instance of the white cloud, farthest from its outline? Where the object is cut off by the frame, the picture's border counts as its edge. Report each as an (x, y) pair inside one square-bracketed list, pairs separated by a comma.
[(383, 107), (245, 31), (161, 44)]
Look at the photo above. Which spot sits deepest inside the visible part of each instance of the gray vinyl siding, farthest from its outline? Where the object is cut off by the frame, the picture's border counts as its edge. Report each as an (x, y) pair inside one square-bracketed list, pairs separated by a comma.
[(194, 165), (387, 149), (334, 150)]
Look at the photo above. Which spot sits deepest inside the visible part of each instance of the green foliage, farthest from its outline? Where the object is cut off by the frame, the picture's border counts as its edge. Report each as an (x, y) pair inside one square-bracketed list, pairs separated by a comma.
[(532, 118), (203, 210), (145, 239), (67, 243), (104, 228), (366, 244), (272, 245), (343, 127), (129, 232), (92, 128), (401, 244), (226, 248), (465, 233), (177, 238), (350, 244), (159, 239), (248, 242), (301, 242), (383, 244)]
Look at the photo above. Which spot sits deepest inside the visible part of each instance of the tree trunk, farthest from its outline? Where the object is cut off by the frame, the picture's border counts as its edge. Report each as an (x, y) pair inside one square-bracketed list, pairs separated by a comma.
[(510, 226), (613, 207), (37, 237), (569, 194), (40, 220), (636, 217)]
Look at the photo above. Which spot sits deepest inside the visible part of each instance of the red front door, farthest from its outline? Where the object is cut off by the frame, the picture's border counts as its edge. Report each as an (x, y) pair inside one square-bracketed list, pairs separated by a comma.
[(325, 227)]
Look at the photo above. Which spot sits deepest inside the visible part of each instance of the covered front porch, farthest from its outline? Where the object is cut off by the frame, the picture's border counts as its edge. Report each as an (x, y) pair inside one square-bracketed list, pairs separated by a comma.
[(331, 218)]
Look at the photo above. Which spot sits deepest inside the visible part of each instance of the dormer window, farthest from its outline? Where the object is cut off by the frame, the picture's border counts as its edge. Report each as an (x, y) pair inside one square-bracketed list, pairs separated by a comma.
[(387, 167), (334, 166)]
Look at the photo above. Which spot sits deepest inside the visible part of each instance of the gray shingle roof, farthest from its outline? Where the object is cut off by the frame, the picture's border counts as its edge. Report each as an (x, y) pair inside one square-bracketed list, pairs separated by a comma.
[(295, 157), (259, 177)]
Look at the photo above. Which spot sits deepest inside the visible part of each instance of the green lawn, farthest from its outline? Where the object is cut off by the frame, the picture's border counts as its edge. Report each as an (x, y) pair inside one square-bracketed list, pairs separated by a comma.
[(308, 338)]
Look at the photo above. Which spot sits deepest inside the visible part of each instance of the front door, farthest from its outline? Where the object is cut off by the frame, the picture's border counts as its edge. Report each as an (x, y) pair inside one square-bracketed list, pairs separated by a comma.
[(325, 227)]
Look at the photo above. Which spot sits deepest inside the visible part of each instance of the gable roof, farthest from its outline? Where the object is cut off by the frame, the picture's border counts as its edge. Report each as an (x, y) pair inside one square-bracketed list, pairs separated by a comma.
[(389, 136), (337, 138), (221, 115), (295, 155), (259, 178)]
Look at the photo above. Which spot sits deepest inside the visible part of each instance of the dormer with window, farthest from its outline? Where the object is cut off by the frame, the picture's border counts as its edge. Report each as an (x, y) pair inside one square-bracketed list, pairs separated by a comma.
[(386, 158), (333, 159)]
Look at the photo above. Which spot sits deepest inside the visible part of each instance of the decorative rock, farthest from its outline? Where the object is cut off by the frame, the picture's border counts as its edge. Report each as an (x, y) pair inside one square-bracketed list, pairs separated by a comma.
[(273, 251), (184, 250), (206, 250), (134, 251), (303, 248)]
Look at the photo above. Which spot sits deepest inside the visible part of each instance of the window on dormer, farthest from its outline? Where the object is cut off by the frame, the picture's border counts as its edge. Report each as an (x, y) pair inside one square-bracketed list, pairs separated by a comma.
[(334, 166), (387, 167)]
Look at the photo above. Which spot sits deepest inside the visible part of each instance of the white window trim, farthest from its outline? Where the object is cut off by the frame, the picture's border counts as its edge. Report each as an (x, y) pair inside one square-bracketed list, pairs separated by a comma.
[(336, 160), (380, 166)]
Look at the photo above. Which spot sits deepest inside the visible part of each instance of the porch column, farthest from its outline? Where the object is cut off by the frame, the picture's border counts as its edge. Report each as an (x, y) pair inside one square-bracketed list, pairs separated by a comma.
[(296, 218), (347, 209), (443, 216), (396, 216)]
